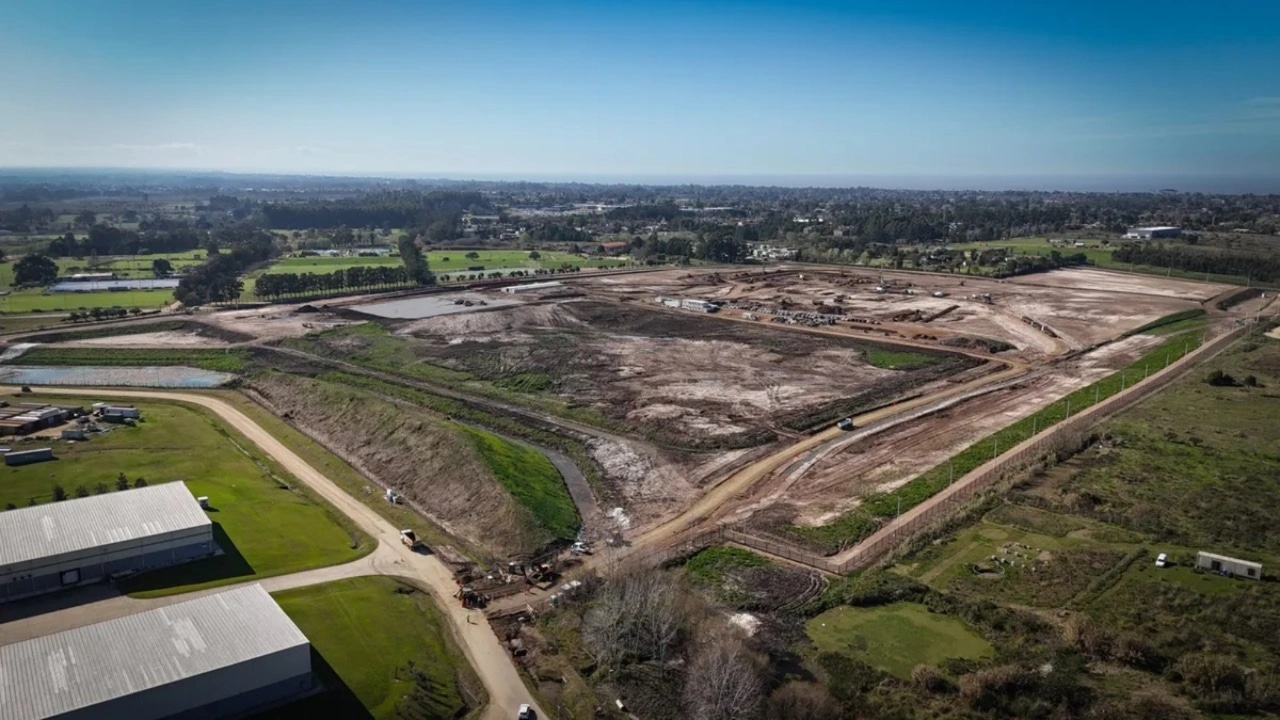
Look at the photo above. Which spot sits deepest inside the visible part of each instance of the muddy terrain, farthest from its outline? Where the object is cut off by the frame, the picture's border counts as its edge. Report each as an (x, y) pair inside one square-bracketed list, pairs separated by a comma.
[(679, 378)]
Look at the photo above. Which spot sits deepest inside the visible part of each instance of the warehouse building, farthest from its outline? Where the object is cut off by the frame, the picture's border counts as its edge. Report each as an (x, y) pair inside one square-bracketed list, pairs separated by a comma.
[(223, 655), (1150, 233), (74, 542), (531, 287)]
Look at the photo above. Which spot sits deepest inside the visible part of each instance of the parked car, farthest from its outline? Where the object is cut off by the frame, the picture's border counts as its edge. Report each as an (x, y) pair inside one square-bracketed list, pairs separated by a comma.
[(845, 424), (525, 713), (1162, 560)]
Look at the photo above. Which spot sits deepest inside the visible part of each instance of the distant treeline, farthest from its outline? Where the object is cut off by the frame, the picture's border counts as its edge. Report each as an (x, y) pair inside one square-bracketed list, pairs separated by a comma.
[(392, 209), (1260, 267), (109, 240)]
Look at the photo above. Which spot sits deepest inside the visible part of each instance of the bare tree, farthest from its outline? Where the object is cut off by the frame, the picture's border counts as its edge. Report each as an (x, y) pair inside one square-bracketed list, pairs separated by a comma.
[(639, 616), (722, 682)]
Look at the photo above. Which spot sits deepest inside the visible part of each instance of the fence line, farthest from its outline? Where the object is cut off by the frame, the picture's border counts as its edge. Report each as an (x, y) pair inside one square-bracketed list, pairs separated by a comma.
[(893, 533)]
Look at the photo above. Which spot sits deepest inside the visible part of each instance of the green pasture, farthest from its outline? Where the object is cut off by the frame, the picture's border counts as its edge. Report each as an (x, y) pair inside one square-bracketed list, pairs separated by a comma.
[(370, 631), (895, 637), (267, 524)]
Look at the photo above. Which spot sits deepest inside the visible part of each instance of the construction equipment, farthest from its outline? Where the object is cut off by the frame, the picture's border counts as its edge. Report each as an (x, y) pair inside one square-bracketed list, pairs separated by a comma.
[(410, 539)]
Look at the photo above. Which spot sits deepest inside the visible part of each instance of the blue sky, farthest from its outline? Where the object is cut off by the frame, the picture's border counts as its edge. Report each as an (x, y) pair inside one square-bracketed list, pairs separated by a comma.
[(978, 88)]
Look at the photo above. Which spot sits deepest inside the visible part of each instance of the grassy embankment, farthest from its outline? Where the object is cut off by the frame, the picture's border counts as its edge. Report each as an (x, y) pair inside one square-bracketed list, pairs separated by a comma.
[(1184, 471), (864, 519), (265, 522), (373, 633), (228, 360), (531, 479)]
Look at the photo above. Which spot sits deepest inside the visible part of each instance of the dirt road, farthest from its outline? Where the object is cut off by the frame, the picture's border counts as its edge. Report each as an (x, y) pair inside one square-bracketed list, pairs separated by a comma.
[(716, 498), (470, 628)]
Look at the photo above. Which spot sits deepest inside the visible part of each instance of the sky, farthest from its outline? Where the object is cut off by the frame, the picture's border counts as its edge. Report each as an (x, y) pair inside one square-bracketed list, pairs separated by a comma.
[(660, 89)]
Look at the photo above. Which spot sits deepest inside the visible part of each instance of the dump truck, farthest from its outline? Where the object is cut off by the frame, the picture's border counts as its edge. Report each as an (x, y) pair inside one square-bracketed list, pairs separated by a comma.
[(410, 539)]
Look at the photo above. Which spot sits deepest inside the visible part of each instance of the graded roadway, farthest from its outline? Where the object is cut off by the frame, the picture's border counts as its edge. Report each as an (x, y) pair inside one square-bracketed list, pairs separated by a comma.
[(470, 627)]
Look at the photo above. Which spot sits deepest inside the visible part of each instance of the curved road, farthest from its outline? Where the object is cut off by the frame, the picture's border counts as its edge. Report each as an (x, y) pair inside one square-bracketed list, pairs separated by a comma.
[(470, 627)]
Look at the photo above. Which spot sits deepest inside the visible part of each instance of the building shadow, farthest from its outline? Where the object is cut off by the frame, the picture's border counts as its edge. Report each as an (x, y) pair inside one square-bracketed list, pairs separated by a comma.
[(55, 601), (334, 700), (230, 564)]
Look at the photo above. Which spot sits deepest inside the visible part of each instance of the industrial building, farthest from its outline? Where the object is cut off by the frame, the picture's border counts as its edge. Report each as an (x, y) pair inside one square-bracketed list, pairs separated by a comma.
[(26, 418), (1149, 233), (14, 458), (699, 305), (224, 655), (62, 544), (530, 287), (1229, 565)]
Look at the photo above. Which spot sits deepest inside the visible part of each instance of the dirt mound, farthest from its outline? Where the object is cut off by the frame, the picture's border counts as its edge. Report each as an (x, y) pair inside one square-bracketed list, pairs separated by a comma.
[(476, 325), (425, 458)]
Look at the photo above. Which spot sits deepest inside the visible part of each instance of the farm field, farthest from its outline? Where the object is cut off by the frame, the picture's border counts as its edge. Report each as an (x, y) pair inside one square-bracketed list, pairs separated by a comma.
[(896, 637), (229, 360), (133, 266), (374, 633), (265, 523)]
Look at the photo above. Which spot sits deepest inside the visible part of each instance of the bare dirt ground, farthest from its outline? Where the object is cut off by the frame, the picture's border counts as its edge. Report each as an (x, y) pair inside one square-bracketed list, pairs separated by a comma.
[(1119, 282), (1081, 307), (166, 339), (273, 322), (833, 483), (682, 378)]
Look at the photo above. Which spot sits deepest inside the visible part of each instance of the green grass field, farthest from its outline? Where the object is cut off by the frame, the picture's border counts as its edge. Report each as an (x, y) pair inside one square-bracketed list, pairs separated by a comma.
[(271, 530), (370, 631), (897, 359), (319, 265), (896, 637), (531, 479), (228, 360), (132, 266)]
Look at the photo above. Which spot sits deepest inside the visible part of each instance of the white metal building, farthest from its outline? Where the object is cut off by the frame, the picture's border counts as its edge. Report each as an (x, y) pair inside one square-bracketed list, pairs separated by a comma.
[(61, 544), (1148, 233), (1232, 566), (217, 656), (531, 287)]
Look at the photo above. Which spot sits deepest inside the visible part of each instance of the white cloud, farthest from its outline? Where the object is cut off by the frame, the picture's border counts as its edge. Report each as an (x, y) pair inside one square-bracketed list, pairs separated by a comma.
[(163, 147)]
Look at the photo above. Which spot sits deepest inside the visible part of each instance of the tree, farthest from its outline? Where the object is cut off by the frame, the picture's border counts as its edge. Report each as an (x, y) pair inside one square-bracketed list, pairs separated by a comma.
[(802, 701), (415, 263), (139, 483), (101, 489), (534, 255), (122, 482), (35, 270), (10, 506), (86, 218), (82, 491), (722, 682), (473, 255), (59, 494), (161, 267)]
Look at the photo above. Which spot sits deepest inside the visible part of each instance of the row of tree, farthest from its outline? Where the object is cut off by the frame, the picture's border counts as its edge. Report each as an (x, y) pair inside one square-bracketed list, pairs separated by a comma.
[(1258, 266), (110, 240), (400, 209), (281, 285)]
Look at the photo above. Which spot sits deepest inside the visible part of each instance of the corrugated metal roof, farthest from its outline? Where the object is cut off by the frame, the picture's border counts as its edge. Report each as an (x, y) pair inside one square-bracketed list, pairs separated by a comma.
[(54, 674), (71, 525)]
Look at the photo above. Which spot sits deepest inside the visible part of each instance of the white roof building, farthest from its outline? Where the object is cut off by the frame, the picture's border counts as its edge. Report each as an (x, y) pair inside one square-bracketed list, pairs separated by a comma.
[(215, 656)]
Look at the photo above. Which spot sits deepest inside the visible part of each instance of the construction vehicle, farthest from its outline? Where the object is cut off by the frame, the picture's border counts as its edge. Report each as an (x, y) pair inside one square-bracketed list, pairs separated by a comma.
[(410, 539)]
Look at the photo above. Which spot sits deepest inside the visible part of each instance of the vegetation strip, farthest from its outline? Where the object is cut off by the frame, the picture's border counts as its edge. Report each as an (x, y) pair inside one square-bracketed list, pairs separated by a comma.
[(228, 361), (862, 521)]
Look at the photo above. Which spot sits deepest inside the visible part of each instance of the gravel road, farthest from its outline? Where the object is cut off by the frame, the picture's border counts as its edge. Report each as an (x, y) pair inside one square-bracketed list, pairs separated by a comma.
[(470, 627)]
